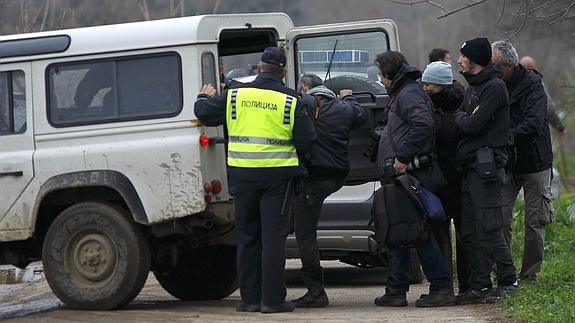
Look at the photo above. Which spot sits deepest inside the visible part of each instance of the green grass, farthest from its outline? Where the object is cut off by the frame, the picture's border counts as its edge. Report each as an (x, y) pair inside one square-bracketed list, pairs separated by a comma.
[(552, 298)]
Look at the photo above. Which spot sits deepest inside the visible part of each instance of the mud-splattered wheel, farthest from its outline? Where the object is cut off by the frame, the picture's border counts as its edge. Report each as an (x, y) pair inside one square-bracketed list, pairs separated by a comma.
[(95, 257)]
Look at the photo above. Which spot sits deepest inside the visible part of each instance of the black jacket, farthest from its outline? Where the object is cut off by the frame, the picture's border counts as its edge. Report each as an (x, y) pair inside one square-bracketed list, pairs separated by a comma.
[(529, 122), (409, 129), (488, 126), (333, 119), (212, 112), (447, 133)]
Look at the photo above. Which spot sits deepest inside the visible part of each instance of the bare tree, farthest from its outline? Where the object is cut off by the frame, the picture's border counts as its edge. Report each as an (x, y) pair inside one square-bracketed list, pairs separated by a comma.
[(548, 12)]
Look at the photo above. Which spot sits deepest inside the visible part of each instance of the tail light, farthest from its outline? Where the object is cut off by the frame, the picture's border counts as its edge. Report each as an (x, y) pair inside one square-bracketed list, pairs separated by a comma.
[(204, 140), (216, 186)]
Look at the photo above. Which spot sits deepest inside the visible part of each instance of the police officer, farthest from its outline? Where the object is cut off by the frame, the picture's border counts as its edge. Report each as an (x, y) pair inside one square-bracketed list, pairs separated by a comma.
[(267, 128), (481, 153)]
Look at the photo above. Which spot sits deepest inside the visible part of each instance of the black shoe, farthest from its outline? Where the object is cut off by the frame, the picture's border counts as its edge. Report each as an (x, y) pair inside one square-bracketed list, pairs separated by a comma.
[(501, 292), (283, 307), (391, 300), (245, 307), (312, 300), (473, 296), (442, 298)]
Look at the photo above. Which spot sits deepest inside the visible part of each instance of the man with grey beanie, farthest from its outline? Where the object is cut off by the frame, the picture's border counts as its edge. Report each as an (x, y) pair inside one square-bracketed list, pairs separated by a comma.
[(438, 83), (482, 156)]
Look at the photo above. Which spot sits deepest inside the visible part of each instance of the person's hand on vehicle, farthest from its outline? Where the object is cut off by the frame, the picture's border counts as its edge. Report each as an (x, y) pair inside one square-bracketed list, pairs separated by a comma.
[(208, 89), (345, 92)]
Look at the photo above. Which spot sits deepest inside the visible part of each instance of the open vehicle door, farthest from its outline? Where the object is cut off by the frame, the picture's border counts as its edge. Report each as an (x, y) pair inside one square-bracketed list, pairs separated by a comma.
[(343, 55)]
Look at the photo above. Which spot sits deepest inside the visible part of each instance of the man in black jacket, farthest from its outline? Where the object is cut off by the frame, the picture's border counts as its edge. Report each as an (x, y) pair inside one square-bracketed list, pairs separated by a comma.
[(267, 124), (531, 167), (481, 155), (408, 135), (327, 166)]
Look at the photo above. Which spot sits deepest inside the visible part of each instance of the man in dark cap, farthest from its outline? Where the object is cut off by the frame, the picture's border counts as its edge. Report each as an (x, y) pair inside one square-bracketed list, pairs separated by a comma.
[(482, 156), (268, 127)]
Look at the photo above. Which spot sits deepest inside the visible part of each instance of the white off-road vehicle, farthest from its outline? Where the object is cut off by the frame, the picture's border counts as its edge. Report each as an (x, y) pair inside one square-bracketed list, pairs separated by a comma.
[(105, 172)]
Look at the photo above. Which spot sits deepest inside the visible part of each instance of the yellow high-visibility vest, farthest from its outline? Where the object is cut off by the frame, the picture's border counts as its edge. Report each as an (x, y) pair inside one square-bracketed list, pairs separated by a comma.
[(260, 124)]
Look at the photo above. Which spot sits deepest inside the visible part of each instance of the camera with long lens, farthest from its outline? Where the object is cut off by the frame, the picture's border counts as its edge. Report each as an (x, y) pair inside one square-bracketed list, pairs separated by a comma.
[(419, 162), (371, 150)]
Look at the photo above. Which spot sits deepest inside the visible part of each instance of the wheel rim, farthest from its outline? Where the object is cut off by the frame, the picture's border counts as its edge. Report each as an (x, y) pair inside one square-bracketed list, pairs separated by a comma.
[(92, 258)]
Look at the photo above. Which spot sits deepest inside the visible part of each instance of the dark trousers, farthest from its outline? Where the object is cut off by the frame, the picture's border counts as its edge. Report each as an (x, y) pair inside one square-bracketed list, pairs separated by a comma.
[(482, 230), (261, 233), (307, 209), (451, 200), (431, 262)]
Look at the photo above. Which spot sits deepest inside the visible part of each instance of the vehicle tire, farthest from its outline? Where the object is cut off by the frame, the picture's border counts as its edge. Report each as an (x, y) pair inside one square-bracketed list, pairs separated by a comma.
[(355, 83), (415, 272), (202, 274), (95, 257)]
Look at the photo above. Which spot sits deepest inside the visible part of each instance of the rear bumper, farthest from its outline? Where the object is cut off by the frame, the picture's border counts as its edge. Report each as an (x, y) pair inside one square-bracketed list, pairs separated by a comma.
[(338, 240)]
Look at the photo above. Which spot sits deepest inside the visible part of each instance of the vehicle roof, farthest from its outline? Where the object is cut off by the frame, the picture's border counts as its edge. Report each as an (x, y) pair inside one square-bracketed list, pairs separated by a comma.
[(152, 34)]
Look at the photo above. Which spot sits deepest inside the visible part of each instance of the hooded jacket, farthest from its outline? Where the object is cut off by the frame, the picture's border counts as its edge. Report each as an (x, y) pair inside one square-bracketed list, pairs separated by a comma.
[(409, 129), (484, 116), (529, 122), (333, 119)]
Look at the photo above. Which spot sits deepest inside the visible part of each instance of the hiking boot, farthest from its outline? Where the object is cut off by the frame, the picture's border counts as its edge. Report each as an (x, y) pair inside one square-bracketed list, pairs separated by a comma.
[(391, 300), (245, 307), (473, 296), (501, 292), (442, 298), (283, 307), (312, 299)]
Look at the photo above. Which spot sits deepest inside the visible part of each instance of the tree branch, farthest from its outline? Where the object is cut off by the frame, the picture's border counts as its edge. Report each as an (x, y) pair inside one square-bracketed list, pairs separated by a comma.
[(465, 7)]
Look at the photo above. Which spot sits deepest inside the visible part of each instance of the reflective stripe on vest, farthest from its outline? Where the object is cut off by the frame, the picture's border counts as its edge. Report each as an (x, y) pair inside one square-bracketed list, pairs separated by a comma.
[(260, 124)]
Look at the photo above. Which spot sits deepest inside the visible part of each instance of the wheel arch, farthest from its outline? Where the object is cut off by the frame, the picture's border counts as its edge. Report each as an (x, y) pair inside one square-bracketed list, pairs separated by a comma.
[(76, 187)]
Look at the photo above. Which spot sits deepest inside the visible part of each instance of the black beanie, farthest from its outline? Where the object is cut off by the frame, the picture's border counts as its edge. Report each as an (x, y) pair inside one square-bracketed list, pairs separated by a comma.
[(477, 50)]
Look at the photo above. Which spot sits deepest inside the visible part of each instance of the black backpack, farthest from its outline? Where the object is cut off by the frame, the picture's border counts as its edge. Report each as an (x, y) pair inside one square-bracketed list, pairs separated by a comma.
[(399, 217)]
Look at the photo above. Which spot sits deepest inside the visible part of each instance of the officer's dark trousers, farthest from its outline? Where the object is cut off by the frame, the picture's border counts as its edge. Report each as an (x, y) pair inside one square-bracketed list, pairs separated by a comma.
[(307, 209), (482, 230), (261, 234)]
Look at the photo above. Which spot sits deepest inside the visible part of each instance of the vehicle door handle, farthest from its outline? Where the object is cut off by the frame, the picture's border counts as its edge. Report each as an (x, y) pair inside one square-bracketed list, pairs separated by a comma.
[(15, 174)]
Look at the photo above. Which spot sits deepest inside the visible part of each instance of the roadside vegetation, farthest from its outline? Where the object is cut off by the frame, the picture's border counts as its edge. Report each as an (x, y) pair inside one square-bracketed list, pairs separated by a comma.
[(552, 297)]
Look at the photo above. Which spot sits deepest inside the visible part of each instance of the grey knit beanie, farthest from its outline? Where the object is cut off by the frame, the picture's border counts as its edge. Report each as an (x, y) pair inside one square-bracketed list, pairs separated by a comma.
[(438, 73)]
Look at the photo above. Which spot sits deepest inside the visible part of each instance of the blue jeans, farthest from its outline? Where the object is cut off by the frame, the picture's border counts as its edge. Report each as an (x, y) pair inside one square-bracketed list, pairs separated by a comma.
[(431, 261)]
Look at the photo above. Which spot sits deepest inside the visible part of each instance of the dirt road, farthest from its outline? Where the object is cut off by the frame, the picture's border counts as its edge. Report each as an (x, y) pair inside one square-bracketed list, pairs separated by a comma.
[(351, 293)]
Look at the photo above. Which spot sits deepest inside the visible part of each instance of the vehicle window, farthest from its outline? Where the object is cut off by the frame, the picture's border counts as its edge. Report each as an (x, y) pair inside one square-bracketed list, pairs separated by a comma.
[(114, 90), (12, 103), (209, 69), (343, 61)]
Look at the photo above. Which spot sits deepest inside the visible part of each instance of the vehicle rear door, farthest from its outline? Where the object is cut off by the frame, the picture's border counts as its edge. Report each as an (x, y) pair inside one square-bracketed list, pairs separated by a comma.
[(343, 55)]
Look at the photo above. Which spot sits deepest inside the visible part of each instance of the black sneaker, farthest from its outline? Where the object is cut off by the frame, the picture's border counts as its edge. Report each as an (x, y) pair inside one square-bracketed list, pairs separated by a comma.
[(283, 307), (309, 300), (442, 298), (473, 296), (501, 292), (245, 307), (391, 300)]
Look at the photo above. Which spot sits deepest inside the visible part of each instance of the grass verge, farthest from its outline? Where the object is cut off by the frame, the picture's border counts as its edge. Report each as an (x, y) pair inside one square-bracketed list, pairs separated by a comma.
[(552, 298)]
